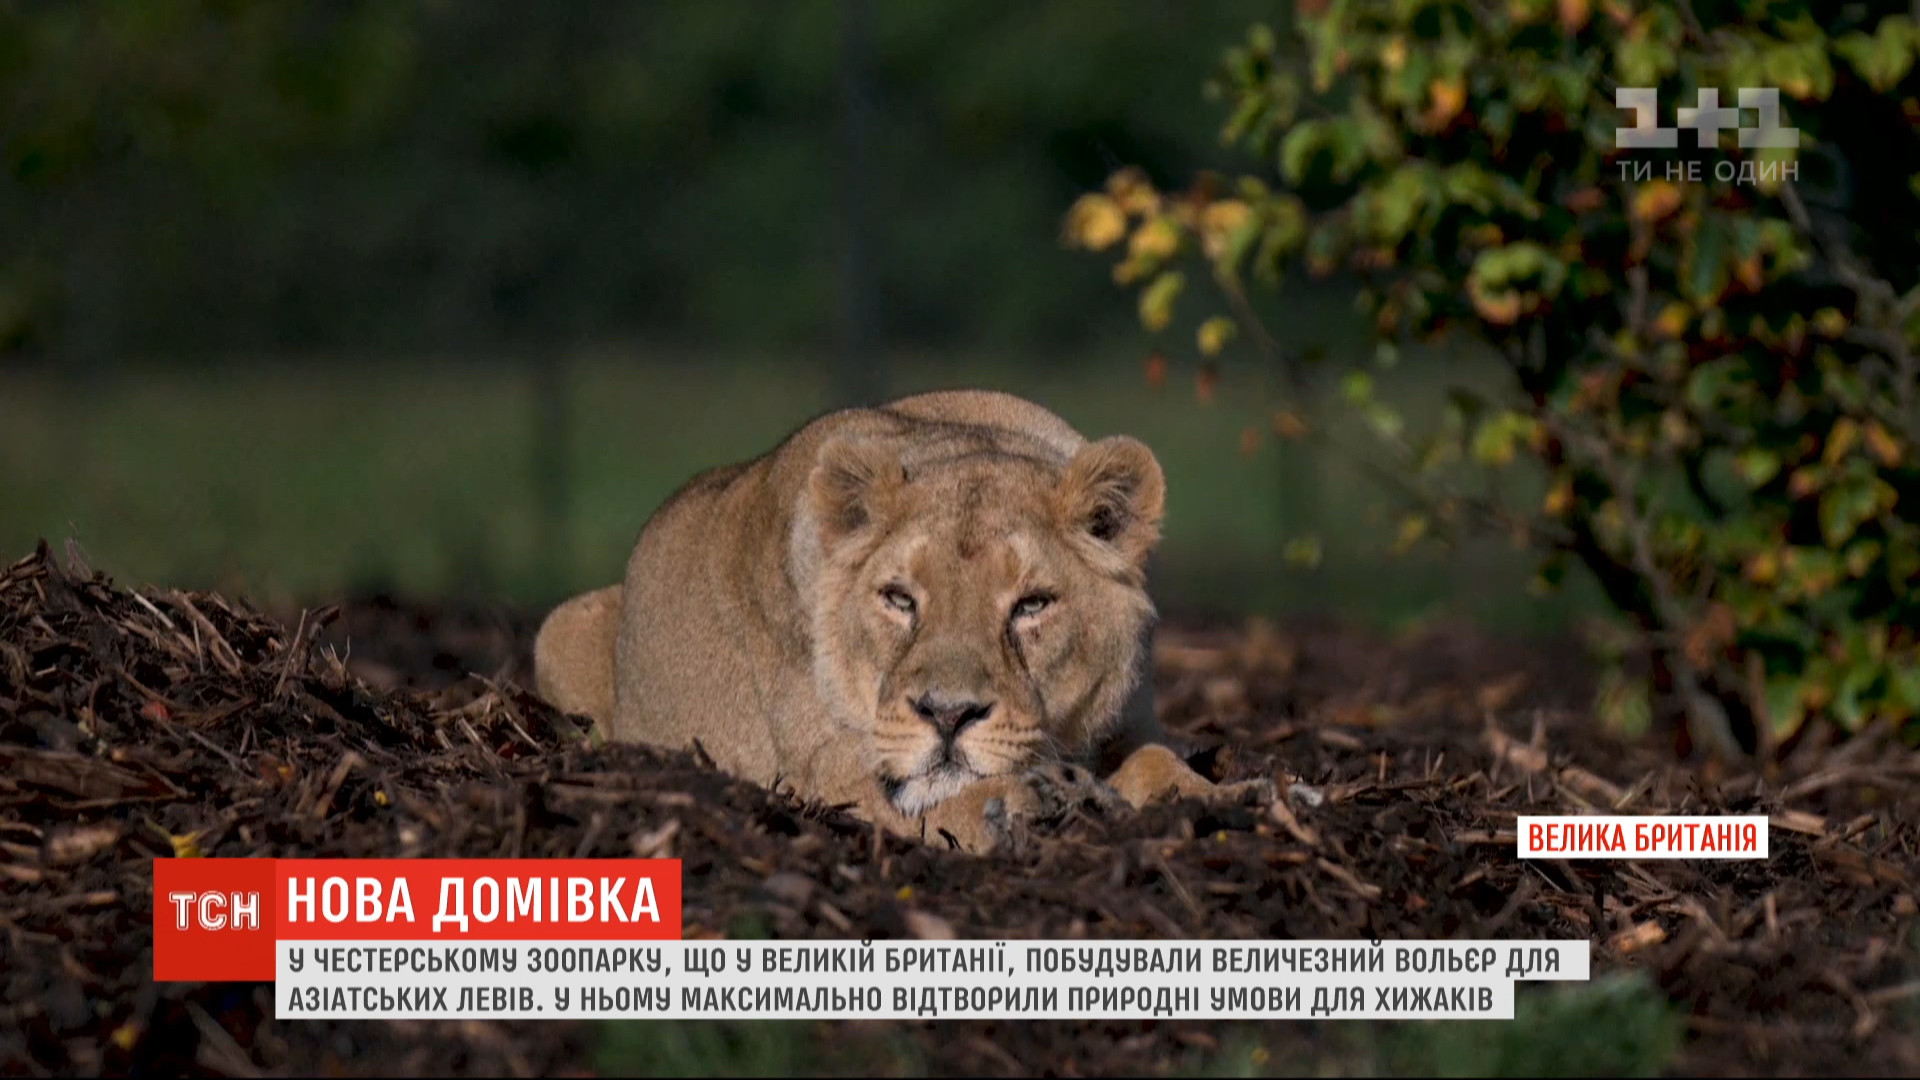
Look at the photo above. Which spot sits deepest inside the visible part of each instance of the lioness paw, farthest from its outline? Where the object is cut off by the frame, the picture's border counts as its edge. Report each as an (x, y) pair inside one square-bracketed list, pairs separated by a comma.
[(1257, 792), (1061, 785), (987, 814), (996, 812), (1155, 772)]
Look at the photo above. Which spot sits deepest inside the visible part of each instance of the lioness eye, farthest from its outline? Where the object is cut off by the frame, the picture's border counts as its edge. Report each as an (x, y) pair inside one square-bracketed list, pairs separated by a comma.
[(898, 599), (1031, 605)]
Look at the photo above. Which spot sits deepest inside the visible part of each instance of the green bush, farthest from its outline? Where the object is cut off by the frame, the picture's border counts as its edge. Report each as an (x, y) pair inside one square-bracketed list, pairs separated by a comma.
[(1711, 349), (1616, 1025)]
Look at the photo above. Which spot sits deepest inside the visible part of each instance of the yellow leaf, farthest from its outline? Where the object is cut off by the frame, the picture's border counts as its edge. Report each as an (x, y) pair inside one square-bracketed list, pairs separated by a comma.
[(1095, 222), (1156, 300), (1672, 321), (1412, 528), (1303, 551), (1493, 441), (1289, 425), (1841, 439), (1156, 238), (1559, 498), (1762, 567), (186, 846), (1393, 56), (1882, 445), (1449, 96), (1131, 189), (1218, 223), (1675, 429), (1499, 308), (1215, 333), (1828, 322), (1655, 200)]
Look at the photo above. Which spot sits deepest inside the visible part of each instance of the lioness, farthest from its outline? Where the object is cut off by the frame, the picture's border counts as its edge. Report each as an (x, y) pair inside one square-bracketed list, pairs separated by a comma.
[(934, 610)]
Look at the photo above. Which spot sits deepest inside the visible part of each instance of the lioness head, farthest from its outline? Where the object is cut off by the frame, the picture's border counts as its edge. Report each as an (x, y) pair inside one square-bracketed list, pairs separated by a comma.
[(979, 612)]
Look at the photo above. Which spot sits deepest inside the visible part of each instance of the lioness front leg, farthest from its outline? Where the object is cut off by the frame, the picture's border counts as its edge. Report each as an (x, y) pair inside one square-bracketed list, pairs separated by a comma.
[(987, 812), (982, 815), (1154, 771)]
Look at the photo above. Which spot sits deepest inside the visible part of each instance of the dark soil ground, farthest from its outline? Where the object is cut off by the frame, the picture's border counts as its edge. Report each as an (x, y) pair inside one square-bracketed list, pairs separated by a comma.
[(150, 725)]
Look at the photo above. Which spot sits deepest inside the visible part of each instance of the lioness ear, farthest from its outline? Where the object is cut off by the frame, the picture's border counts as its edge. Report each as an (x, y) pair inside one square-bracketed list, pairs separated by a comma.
[(1114, 491), (851, 481)]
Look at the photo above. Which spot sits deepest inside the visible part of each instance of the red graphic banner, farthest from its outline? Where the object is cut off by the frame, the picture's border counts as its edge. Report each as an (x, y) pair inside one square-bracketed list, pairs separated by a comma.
[(218, 919)]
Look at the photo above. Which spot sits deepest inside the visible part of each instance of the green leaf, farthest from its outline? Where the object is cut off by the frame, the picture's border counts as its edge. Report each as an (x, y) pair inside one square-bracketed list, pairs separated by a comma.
[(1156, 300), (1303, 551), (1757, 465), (1903, 684), (1412, 528), (1717, 381), (1468, 184), (1624, 704), (1799, 68), (1393, 207), (1226, 268), (1297, 150), (1286, 227), (1705, 263), (1215, 333), (1495, 440), (1848, 706), (1811, 572), (1550, 576), (1786, 707), (1772, 162), (1523, 264), (1844, 507), (1385, 420), (1646, 61), (1357, 388), (1249, 116), (1861, 557)]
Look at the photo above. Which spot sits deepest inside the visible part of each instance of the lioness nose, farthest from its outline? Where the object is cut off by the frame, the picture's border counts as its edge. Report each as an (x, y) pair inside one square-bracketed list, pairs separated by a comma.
[(948, 715)]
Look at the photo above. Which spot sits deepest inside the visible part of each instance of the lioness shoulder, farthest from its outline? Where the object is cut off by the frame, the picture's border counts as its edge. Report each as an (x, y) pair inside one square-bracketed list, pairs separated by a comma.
[(935, 611)]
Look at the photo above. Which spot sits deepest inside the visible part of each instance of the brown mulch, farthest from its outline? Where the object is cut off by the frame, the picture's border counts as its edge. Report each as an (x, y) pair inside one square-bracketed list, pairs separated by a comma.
[(142, 725)]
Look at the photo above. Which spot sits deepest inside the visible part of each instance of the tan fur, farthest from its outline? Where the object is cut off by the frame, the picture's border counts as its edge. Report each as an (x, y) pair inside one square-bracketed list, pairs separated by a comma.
[(957, 564), (573, 653)]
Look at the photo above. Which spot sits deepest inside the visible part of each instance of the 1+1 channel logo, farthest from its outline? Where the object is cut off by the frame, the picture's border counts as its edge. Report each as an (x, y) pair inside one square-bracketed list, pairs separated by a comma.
[(1708, 119)]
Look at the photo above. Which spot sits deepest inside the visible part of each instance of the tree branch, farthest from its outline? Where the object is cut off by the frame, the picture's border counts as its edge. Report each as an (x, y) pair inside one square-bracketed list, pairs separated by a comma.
[(1882, 314), (1706, 716)]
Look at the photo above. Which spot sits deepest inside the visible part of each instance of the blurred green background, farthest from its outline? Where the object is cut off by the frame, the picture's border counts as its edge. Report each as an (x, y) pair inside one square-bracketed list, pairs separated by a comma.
[(304, 299)]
